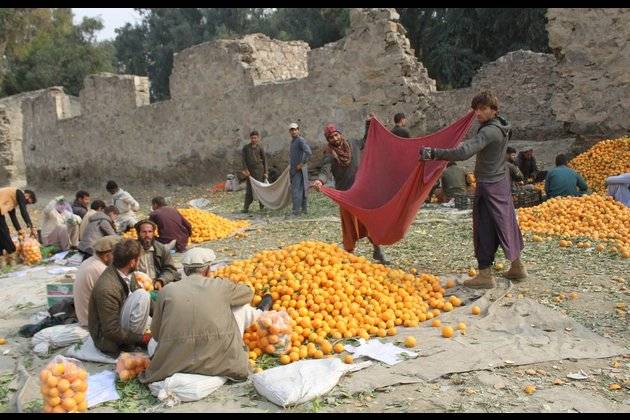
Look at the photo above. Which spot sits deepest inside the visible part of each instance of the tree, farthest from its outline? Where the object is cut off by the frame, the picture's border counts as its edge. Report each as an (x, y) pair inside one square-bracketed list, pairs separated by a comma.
[(47, 49), (454, 43)]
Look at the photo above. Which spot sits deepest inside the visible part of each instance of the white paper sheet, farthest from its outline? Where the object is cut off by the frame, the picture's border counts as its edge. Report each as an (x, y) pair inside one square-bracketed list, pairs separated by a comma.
[(102, 388), (383, 352), (61, 270)]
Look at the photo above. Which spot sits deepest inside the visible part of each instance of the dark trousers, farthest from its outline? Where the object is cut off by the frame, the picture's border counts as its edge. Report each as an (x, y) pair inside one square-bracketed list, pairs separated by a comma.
[(298, 193), (249, 195), (494, 223), (6, 243)]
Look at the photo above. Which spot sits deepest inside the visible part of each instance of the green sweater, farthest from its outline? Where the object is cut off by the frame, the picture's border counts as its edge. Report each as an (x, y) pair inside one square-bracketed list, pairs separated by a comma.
[(563, 181)]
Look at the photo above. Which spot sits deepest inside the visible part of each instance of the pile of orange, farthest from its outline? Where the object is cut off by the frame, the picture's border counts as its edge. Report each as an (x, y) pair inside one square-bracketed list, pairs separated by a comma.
[(64, 387), (208, 226), (130, 365), (130, 234), (604, 159), (593, 216), (331, 294), (30, 252)]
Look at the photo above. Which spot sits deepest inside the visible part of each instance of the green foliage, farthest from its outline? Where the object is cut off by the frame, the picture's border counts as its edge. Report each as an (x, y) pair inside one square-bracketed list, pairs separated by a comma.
[(44, 48), (454, 43)]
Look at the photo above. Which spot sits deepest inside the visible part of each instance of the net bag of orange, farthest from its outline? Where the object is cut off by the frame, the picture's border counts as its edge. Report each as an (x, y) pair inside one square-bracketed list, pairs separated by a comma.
[(273, 332), (64, 385), (143, 280), (130, 365), (30, 251)]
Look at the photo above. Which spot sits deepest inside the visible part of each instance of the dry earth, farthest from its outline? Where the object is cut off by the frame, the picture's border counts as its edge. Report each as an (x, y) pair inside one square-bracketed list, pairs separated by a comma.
[(439, 242)]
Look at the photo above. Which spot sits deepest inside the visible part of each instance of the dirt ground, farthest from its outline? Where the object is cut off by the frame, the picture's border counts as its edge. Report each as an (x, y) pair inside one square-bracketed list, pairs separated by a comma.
[(439, 242)]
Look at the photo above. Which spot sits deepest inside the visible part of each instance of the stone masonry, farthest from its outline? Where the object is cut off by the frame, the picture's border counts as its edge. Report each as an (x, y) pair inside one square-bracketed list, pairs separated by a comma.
[(221, 90)]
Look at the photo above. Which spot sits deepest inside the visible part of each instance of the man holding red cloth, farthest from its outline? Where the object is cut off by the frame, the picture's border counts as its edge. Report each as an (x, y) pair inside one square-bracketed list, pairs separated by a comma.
[(494, 218), (341, 162)]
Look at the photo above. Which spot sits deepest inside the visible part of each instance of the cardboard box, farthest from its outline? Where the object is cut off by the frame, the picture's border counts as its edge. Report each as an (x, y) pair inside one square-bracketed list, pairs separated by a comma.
[(60, 289)]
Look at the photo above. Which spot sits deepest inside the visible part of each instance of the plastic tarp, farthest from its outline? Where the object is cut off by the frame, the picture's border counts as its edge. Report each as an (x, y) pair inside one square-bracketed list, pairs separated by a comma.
[(619, 188), (391, 183)]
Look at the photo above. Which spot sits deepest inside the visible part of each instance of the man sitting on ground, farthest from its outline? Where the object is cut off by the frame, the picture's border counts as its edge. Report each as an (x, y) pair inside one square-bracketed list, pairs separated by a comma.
[(96, 206), (516, 176), (174, 230), (127, 206), (399, 129), (60, 226), (87, 274), (563, 181), (453, 182), (119, 308), (102, 223), (81, 203), (156, 261), (526, 162), (199, 323)]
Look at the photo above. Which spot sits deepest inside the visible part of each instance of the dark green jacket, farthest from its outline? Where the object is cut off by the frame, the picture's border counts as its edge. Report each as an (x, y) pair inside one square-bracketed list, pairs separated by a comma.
[(562, 181), (453, 181), (489, 145), (254, 161)]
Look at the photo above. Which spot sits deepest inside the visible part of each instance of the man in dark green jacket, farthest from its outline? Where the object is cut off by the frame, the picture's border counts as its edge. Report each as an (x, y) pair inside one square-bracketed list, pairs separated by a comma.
[(119, 309), (563, 181), (254, 166), (453, 181), (494, 217)]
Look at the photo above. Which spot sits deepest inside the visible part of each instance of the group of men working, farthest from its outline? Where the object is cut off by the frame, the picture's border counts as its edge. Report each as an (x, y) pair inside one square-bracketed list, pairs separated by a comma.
[(561, 181), (196, 325)]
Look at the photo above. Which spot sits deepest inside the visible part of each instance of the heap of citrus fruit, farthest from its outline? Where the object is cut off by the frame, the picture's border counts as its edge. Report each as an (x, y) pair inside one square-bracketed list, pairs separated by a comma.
[(208, 226), (593, 216), (604, 159), (130, 365), (64, 386), (30, 251), (331, 294)]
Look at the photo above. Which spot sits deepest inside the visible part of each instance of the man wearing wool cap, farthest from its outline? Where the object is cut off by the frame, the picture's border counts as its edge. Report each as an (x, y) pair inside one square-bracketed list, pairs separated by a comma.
[(198, 323)]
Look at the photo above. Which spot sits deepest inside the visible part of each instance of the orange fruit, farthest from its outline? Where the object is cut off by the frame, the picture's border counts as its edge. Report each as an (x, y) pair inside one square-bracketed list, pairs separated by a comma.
[(69, 404), (450, 283), (82, 406), (475, 310), (53, 392), (79, 396), (52, 381), (124, 375), (410, 341), (44, 374), (348, 359), (63, 385), (338, 348), (436, 323), (461, 326), (54, 401), (58, 408), (58, 369), (285, 359), (447, 332)]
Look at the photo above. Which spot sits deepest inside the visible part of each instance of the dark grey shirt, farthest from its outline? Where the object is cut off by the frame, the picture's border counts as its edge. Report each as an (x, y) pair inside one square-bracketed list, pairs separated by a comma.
[(401, 132), (299, 152), (343, 175), (489, 145)]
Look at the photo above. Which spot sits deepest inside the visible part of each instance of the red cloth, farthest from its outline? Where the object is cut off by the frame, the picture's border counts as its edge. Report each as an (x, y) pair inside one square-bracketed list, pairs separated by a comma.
[(391, 183)]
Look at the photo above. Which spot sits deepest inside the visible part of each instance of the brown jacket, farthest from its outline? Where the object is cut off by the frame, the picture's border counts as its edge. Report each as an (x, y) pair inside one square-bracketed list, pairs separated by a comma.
[(106, 302), (196, 330)]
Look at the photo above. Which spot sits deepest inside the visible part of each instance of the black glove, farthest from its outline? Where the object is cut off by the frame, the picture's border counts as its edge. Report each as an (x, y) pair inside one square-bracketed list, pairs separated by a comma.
[(427, 153)]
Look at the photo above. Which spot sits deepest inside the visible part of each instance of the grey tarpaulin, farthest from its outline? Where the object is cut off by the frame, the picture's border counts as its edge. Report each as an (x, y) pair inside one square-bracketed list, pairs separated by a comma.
[(273, 196), (508, 331)]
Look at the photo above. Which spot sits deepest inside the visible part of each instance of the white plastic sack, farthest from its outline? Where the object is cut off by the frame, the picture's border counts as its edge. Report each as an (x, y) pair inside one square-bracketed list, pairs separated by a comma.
[(185, 387), (302, 381), (88, 352), (57, 336)]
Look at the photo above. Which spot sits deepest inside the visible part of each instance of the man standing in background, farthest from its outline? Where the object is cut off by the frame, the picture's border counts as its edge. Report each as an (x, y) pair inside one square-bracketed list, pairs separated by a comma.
[(254, 165), (299, 154)]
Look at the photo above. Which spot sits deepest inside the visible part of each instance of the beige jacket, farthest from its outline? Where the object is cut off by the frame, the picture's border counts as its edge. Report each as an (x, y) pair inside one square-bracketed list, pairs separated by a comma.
[(85, 221), (86, 277), (52, 219), (196, 330)]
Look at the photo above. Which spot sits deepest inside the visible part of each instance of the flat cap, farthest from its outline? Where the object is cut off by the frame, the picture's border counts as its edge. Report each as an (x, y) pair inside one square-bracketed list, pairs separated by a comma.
[(198, 257), (106, 243)]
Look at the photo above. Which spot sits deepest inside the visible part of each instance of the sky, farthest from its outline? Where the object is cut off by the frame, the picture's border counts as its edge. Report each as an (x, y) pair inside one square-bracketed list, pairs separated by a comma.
[(112, 19)]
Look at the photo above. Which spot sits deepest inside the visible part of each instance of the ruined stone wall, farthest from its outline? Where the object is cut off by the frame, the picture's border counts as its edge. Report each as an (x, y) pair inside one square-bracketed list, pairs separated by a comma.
[(524, 82), (592, 47)]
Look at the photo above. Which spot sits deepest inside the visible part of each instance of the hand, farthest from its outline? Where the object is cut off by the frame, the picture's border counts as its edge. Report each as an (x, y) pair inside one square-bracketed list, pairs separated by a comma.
[(298, 167), (146, 338), (158, 284), (317, 184), (426, 153), (371, 115), (245, 172), (33, 232)]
